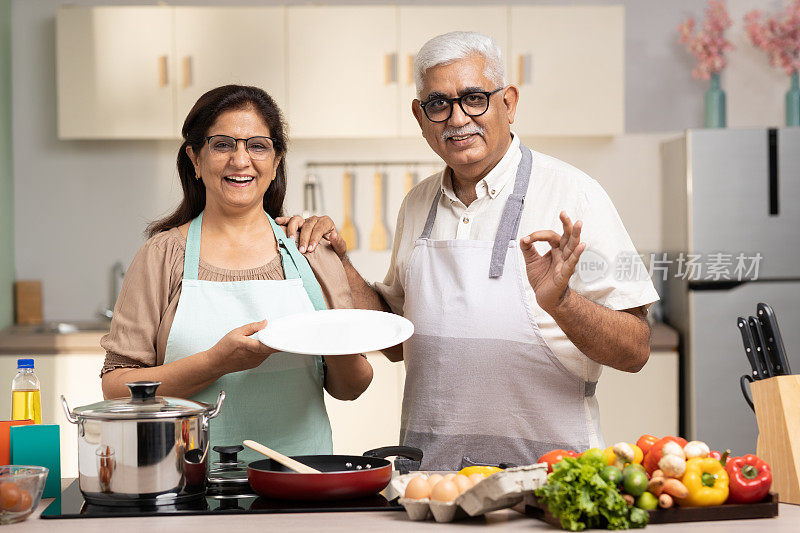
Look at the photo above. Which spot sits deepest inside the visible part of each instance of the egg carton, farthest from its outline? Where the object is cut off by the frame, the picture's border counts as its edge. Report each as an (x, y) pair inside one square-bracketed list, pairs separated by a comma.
[(499, 491)]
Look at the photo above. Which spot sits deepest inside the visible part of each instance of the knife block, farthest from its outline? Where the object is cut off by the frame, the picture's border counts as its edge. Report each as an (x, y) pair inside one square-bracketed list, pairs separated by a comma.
[(777, 406)]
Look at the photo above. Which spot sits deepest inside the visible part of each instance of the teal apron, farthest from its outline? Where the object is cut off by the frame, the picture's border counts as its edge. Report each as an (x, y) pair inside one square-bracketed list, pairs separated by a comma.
[(280, 402)]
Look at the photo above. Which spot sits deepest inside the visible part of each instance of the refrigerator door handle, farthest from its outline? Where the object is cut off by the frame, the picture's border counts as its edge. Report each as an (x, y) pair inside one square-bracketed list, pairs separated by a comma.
[(772, 140)]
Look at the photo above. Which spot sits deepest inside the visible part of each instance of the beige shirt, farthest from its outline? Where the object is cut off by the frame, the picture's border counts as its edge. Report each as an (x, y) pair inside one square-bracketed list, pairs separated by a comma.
[(151, 289), (554, 186)]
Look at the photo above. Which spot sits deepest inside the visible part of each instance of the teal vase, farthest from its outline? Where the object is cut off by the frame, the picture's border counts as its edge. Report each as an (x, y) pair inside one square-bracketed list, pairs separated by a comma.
[(715, 104), (793, 102)]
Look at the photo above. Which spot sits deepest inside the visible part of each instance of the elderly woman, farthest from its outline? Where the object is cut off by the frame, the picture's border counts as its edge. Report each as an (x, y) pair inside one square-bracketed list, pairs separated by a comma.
[(214, 270)]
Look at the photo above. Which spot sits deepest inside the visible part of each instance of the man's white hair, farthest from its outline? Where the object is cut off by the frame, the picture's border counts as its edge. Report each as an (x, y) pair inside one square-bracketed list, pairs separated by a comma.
[(449, 47)]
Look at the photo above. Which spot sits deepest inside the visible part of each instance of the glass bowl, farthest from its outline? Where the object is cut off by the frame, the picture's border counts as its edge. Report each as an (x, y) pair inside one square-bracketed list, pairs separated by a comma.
[(20, 491)]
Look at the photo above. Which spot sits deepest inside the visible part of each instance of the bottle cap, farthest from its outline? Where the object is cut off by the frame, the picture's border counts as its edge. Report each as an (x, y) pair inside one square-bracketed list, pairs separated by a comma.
[(24, 363)]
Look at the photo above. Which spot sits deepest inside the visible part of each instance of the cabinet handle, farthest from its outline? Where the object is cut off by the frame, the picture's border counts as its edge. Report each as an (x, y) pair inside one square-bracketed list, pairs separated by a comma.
[(187, 71), (524, 69), (163, 78), (390, 68), (410, 69)]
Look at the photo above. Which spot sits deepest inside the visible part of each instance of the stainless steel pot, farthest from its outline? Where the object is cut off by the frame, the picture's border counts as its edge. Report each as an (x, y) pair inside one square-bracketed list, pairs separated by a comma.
[(143, 450)]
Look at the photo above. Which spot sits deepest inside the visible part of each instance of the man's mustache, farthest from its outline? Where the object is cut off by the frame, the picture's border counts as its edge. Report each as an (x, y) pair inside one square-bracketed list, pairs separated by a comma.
[(468, 129)]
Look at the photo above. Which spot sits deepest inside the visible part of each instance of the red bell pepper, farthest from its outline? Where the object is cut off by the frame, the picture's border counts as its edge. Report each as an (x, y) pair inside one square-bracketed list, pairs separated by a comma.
[(715, 455), (750, 479), (652, 458), (555, 456)]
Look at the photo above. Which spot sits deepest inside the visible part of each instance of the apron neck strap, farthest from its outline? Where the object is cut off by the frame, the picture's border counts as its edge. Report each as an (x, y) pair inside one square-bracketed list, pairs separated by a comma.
[(512, 214), (509, 221), (294, 264), (191, 261)]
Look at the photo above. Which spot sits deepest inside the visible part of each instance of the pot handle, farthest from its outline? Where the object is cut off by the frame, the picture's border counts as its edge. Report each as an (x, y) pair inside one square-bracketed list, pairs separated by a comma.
[(70, 415), (218, 407), (409, 452)]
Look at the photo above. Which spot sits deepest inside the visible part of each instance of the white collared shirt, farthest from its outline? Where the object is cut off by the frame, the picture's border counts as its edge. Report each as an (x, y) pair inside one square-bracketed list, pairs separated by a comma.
[(610, 272)]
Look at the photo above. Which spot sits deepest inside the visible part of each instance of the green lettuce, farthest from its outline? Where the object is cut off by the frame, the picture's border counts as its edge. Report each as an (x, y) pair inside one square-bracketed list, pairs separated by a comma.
[(577, 495)]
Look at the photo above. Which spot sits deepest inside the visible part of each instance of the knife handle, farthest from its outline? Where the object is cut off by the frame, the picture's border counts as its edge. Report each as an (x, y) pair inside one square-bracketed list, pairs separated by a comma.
[(772, 334), (749, 346), (761, 352)]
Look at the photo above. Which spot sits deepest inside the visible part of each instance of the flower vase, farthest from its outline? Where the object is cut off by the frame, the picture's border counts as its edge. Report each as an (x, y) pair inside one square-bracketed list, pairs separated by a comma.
[(793, 102), (715, 104)]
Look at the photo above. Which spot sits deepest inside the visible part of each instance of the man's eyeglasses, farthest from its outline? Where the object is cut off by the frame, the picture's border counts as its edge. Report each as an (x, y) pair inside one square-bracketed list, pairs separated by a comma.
[(473, 104), (259, 148)]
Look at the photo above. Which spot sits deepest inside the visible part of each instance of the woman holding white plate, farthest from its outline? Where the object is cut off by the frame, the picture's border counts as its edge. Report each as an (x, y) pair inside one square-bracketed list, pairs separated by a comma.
[(215, 271)]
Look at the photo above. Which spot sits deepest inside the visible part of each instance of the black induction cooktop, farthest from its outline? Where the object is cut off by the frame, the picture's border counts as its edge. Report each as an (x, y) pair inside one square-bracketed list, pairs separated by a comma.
[(70, 504)]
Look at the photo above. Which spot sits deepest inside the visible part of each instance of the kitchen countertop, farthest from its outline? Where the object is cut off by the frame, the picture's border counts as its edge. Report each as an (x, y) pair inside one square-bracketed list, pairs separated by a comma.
[(22, 340), (506, 520)]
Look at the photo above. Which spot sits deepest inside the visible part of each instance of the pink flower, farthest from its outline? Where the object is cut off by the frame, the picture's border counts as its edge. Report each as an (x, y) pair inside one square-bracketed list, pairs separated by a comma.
[(778, 36), (709, 44)]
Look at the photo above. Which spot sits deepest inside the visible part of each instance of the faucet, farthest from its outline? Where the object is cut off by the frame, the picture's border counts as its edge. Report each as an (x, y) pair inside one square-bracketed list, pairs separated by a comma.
[(117, 274)]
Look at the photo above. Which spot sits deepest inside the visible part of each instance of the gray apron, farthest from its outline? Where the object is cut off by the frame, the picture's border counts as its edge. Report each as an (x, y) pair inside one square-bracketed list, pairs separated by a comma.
[(481, 383)]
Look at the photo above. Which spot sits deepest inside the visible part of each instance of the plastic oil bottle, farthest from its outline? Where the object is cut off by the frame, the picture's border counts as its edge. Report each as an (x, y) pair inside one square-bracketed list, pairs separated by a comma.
[(26, 403)]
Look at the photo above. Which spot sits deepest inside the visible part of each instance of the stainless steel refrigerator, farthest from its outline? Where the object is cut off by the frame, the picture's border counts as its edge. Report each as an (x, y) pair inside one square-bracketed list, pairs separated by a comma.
[(728, 197)]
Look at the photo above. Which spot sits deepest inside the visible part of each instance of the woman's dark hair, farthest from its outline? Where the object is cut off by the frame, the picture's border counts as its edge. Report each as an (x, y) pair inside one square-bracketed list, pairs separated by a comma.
[(195, 129)]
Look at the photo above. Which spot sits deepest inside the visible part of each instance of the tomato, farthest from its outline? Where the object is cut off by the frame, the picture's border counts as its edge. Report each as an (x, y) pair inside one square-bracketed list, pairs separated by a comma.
[(555, 456), (654, 455), (646, 442)]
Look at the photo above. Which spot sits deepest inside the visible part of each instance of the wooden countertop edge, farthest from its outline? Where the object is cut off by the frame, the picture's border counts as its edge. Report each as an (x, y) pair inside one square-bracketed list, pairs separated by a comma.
[(662, 338)]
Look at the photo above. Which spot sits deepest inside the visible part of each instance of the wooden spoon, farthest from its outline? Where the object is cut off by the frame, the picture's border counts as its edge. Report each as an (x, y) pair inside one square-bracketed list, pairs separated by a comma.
[(348, 229), (378, 237), (288, 462)]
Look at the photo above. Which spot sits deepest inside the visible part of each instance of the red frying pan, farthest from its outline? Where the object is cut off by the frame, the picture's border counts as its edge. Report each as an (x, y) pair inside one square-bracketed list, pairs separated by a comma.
[(341, 477)]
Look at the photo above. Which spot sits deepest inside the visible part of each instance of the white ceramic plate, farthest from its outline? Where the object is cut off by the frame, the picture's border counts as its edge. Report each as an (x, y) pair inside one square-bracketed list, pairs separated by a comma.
[(336, 332)]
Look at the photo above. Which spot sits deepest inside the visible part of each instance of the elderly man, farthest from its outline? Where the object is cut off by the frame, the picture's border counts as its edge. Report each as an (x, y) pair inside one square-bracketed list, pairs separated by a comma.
[(508, 344)]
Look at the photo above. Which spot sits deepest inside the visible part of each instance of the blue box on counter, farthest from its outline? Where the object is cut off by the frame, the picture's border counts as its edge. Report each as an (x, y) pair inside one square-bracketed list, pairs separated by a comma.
[(39, 445)]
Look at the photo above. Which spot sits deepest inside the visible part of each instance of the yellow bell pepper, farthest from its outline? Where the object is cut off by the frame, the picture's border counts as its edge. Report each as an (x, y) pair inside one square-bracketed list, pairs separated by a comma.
[(485, 471), (706, 481), (611, 457)]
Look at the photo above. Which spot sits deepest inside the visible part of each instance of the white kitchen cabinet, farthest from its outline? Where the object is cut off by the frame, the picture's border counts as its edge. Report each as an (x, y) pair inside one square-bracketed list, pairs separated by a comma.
[(135, 72), (646, 402), (74, 375), (342, 71), (217, 46), (420, 24), (569, 65), (114, 74), (372, 420)]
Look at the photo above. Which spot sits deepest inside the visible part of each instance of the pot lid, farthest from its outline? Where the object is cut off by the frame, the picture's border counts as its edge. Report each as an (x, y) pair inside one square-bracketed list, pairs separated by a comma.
[(143, 403)]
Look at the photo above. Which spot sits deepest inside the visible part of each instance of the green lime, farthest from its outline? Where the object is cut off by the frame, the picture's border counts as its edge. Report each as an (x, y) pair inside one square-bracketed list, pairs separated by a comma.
[(612, 475), (647, 501), (634, 466), (593, 455), (634, 482)]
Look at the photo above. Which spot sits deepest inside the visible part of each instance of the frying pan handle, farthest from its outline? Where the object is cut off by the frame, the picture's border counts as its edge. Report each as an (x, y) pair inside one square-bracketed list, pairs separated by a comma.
[(415, 454)]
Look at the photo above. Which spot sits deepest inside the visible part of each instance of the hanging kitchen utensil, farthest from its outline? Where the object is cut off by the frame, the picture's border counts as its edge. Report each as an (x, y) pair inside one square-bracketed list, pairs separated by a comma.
[(288, 462), (761, 352), (342, 476), (772, 335), (348, 229), (378, 236), (311, 205), (749, 346)]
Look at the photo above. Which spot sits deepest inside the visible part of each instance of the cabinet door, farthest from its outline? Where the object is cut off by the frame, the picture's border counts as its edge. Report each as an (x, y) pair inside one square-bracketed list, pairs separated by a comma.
[(419, 24), (114, 76), (217, 46), (569, 65), (342, 71)]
